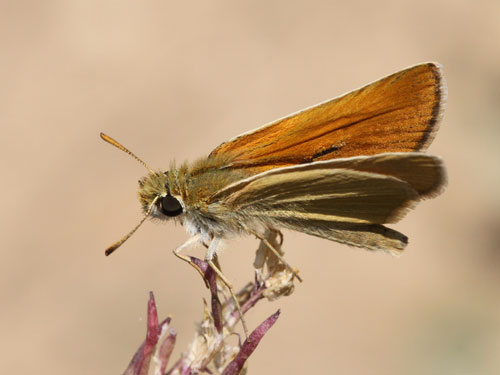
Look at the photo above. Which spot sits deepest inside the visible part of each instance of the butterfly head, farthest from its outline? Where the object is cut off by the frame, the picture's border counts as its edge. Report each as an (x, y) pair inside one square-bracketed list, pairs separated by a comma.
[(156, 196)]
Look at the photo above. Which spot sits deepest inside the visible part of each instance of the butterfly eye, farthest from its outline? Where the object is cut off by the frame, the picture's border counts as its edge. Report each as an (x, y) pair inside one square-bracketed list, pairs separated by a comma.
[(170, 206)]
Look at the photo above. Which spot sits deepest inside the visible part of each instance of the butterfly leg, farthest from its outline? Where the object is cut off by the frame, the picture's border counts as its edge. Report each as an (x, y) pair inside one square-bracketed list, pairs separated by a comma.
[(211, 258), (177, 252), (265, 239)]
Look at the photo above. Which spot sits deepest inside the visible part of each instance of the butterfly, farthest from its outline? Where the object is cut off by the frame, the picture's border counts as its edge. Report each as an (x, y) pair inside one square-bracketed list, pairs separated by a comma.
[(338, 170)]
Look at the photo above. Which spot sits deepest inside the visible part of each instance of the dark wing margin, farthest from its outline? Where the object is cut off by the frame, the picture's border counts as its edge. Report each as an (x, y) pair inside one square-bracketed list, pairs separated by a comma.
[(398, 113)]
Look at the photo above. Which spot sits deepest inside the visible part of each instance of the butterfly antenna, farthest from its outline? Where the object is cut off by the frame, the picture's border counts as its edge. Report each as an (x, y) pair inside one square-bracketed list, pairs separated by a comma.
[(118, 145), (118, 243)]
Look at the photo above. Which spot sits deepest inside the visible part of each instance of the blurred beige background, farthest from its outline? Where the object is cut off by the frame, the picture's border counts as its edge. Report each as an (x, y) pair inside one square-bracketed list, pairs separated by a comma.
[(173, 79)]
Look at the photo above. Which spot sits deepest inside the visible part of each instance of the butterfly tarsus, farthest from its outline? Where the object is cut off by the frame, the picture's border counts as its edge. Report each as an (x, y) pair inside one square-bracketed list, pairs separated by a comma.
[(211, 259), (187, 259), (229, 286)]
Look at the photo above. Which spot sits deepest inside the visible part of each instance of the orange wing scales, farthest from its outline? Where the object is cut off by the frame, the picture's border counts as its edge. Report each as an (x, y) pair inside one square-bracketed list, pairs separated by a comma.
[(398, 113)]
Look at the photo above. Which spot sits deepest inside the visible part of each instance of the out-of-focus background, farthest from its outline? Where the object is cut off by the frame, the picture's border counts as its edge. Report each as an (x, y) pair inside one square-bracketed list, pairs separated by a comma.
[(173, 79)]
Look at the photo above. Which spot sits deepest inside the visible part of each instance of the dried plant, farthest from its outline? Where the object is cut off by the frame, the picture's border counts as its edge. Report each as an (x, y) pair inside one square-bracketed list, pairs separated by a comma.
[(211, 351)]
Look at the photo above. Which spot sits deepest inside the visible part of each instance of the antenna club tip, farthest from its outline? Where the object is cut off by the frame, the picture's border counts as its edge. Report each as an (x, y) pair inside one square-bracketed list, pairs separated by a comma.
[(109, 251)]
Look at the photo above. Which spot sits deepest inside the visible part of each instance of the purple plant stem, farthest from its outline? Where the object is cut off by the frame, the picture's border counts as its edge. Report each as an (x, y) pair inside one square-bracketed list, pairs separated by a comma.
[(235, 366), (255, 297), (142, 358), (211, 279), (166, 348)]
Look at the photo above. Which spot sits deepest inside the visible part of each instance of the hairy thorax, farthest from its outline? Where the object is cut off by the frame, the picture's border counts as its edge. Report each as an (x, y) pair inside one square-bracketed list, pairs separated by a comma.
[(192, 185)]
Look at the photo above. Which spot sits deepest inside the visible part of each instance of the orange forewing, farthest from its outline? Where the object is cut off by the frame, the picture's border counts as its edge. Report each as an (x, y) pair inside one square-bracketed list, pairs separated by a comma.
[(398, 113)]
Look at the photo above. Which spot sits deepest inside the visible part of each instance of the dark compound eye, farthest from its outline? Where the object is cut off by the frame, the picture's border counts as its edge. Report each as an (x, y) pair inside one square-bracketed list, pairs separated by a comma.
[(170, 206)]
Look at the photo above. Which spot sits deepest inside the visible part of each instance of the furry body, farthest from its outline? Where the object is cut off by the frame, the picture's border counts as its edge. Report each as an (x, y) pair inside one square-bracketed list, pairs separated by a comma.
[(338, 170), (345, 200)]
